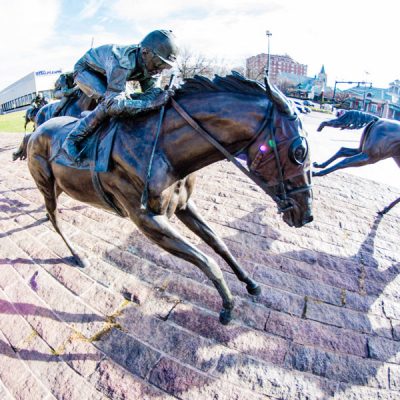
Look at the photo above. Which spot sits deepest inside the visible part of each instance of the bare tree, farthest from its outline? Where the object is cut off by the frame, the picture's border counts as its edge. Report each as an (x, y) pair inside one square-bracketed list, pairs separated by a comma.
[(256, 74), (190, 63)]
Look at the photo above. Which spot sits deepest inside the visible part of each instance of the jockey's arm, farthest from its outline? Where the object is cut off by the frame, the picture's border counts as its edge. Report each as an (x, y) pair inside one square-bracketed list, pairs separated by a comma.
[(68, 92)]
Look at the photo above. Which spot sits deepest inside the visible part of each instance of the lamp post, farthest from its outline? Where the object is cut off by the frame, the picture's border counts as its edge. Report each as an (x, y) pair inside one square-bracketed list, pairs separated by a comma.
[(269, 34)]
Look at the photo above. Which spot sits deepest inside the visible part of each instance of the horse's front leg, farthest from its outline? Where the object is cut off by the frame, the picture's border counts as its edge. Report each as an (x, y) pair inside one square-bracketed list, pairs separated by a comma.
[(159, 230), (193, 220), (343, 152), (355, 161), (389, 207)]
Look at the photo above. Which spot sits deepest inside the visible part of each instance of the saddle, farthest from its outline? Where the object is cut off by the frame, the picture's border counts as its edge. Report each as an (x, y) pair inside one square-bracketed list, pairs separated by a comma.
[(96, 149)]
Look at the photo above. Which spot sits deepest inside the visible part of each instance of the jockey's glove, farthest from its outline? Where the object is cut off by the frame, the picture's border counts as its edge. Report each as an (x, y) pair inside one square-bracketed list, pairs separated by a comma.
[(145, 102)]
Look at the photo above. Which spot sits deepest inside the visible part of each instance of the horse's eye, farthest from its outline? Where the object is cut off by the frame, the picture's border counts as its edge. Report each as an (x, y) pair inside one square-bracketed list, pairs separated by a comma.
[(298, 150)]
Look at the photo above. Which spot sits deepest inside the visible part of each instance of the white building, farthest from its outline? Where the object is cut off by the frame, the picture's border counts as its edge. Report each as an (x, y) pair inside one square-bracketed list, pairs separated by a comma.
[(22, 92)]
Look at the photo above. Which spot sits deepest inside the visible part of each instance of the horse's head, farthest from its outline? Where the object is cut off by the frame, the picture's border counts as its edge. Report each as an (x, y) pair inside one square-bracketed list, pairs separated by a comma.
[(280, 158)]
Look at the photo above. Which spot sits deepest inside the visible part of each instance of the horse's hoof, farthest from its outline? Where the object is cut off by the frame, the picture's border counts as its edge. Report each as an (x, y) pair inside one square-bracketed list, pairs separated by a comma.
[(315, 165), (225, 316), (253, 288), (315, 173), (80, 262)]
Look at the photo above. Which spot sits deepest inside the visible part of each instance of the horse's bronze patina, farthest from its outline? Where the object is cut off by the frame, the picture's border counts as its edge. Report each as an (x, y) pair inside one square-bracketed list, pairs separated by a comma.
[(73, 107), (238, 114), (379, 140)]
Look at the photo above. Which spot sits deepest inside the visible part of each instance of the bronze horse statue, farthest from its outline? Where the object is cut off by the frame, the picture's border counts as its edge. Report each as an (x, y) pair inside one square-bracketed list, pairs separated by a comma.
[(379, 140), (239, 115), (74, 108), (30, 116)]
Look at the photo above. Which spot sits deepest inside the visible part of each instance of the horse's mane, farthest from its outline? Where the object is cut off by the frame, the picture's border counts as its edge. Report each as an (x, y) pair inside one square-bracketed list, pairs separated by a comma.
[(235, 83)]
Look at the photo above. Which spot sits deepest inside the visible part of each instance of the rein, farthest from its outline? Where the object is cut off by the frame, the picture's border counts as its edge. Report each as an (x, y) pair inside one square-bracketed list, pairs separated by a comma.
[(222, 149), (283, 201)]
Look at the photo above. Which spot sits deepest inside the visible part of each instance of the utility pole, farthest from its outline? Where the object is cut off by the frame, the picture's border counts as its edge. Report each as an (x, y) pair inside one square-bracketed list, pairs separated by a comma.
[(269, 34), (349, 83)]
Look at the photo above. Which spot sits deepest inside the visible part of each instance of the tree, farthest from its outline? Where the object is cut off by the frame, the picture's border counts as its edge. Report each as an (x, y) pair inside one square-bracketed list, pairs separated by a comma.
[(190, 63), (257, 74)]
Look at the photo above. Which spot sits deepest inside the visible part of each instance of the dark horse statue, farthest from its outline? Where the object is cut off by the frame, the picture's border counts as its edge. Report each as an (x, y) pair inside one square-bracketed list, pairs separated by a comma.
[(30, 116), (379, 140), (73, 107), (238, 115)]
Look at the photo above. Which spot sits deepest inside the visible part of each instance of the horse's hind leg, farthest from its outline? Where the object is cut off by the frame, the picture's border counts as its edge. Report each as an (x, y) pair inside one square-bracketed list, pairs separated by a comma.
[(159, 230), (343, 152), (393, 203), (193, 220), (41, 173), (355, 161), (21, 152)]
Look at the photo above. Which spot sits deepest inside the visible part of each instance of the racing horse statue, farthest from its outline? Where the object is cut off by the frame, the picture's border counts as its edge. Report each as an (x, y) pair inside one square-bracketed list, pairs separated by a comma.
[(30, 116), (379, 140), (205, 122), (73, 107)]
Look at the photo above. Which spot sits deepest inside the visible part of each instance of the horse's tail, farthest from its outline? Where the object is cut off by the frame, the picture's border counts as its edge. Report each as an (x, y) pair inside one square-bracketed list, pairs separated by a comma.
[(350, 120)]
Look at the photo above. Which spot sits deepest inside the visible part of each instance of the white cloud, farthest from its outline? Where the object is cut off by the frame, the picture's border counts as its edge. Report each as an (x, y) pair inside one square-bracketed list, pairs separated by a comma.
[(90, 9), (25, 26), (349, 37)]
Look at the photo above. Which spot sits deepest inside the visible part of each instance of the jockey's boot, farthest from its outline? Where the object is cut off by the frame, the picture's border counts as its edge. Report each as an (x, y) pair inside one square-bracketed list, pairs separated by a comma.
[(83, 129)]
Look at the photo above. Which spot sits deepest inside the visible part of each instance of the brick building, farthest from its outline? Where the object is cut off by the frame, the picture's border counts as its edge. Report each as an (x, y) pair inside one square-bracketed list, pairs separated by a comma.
[(255, 66)]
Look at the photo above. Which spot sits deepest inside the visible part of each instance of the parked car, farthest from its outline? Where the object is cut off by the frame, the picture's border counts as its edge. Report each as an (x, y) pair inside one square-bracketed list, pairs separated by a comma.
[(309, 103), (301, 107)]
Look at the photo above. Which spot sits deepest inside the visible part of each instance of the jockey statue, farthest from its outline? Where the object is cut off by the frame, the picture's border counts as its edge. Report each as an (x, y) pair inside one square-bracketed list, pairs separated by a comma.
[(64, 90), (102, 74), (39, 101)]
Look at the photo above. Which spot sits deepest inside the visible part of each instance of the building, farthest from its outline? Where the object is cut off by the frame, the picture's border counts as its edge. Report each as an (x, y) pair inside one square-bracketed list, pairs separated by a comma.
[(378, 101), (305, 87), (255, 66), (21, 93)]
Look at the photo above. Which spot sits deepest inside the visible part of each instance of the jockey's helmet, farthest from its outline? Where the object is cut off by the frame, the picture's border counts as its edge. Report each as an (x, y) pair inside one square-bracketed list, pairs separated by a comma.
[(162, 43)]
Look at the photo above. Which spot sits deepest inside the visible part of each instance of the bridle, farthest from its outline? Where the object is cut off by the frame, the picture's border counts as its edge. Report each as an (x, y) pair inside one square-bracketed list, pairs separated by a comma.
[(282, 196)]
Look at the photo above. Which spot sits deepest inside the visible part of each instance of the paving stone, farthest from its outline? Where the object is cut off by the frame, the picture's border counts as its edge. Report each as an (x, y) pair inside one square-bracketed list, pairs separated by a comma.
[(129, 352), (342, 368), (243, 339), (117, 383), (311, 333), (186, 383), (190, 348)]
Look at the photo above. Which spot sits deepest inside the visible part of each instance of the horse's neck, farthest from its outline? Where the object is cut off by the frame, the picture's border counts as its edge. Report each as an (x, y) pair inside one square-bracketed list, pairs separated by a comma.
[(233, 124)]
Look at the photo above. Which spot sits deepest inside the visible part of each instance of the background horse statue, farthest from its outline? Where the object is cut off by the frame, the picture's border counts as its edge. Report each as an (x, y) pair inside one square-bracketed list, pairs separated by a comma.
[(379, 140), (30, 116), (74, 108), (239, 116)]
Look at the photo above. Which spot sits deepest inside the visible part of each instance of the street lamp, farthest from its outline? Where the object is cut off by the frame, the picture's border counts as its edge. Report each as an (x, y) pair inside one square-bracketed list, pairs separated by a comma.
[(269, 34)]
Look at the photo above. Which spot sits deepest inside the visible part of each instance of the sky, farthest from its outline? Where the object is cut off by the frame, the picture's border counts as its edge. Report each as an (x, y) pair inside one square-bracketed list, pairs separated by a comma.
[(355, 40)]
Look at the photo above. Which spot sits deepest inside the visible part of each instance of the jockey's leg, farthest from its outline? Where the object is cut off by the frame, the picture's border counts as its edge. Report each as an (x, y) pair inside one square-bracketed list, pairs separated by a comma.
[(94, 86), (83, 129)]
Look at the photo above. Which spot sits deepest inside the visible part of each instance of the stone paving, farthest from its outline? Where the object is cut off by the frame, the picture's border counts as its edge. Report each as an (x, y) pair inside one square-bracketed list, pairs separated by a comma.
[(138, 323)]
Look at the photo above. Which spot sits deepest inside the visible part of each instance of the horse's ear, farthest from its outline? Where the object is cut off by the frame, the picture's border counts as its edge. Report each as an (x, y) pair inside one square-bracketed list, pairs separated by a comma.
[(278, 98)]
